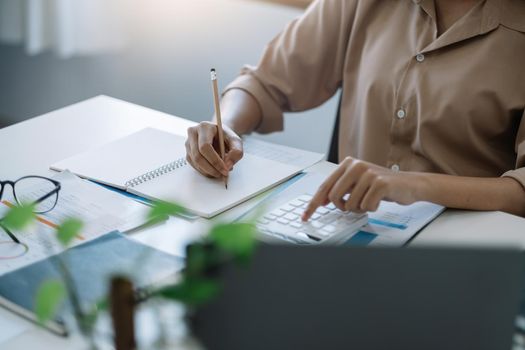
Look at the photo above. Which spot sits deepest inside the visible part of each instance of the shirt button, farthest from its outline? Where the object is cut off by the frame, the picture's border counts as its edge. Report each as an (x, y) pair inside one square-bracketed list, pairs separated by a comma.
[(420, 57), (395, 167), (401, 113)]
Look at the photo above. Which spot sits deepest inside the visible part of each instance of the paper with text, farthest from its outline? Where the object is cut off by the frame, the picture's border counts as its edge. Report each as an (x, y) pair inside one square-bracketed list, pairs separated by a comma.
[(101, 211)]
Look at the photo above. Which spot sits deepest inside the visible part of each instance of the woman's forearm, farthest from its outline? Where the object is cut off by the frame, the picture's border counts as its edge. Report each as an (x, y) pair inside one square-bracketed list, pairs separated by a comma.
[(368, 184), (502, 193), (240, 111)]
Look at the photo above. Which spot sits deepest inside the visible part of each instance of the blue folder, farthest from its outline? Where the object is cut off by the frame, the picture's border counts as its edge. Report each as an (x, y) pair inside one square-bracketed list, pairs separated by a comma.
[(91, 265)]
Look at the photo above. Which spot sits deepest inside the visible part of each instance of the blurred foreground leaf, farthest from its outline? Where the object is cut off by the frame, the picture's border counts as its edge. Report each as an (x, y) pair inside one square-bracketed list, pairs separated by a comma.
[(197, 259), (161, 210), (236, 238), (192, 291), (68, 230), (49, 296), (18, 217)]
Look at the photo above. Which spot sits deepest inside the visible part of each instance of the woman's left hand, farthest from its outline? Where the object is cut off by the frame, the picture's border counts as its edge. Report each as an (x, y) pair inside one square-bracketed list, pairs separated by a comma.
[(367, 184)]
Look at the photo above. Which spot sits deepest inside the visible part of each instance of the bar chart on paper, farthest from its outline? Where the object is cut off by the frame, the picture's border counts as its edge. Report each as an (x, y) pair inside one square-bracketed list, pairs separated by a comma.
[(394, 225)]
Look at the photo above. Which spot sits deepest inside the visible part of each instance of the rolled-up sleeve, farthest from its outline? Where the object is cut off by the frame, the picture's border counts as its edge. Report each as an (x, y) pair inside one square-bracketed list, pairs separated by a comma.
[(303, 66), (519, 173)]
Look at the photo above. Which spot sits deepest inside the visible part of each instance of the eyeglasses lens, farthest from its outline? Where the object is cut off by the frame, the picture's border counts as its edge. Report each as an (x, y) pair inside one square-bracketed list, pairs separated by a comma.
[(33, 189)]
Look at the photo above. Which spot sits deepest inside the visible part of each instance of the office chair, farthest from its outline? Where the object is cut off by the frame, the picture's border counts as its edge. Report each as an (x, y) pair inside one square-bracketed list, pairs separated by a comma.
[(333, 152)]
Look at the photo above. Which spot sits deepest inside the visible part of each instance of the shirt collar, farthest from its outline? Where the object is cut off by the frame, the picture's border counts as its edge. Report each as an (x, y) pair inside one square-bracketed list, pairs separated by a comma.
[(512, 14), (509, 13), (483, 18), (427, 6)]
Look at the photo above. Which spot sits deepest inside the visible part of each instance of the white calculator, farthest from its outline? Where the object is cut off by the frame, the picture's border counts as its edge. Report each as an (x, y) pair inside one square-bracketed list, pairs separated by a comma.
[(328, 225)]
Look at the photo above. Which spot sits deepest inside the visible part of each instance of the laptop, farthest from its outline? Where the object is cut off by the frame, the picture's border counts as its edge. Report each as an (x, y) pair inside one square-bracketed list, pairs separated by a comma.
[(312, 297)]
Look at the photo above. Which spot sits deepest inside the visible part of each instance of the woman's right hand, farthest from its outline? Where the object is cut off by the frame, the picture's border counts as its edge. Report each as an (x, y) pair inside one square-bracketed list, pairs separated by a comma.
[(202, 149)]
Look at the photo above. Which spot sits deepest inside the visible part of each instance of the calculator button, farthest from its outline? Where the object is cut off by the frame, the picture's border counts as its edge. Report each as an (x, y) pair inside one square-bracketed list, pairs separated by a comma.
[(331, 206), (329, 229), (315, 216), (316, 224), (321, 233), (330, 218), (298, 211), (290, 216), (296, 203), (305, 198), (322, 210), (296, 224), (278, 212), (283, 221), (352, 218), (287, 207)]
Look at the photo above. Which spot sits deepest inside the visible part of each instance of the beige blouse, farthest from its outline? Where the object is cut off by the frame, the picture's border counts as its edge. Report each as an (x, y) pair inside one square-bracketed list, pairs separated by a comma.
[(411, 100)]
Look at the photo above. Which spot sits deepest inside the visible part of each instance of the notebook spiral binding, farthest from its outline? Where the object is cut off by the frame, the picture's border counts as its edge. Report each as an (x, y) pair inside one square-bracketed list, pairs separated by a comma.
[(150, 175)]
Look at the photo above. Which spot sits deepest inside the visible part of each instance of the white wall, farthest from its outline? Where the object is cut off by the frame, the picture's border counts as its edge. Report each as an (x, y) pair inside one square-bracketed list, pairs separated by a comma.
[(165, 67)]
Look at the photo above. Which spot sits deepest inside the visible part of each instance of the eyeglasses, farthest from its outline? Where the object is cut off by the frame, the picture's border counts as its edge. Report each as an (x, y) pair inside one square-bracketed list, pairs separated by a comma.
[(39, 191)]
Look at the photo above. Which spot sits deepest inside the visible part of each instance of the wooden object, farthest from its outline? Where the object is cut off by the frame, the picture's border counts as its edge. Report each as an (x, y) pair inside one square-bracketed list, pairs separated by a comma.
[(122, 311), (219, 118)]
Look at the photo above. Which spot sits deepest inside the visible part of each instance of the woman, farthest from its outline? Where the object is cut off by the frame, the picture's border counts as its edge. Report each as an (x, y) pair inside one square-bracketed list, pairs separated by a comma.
[(433, 101)]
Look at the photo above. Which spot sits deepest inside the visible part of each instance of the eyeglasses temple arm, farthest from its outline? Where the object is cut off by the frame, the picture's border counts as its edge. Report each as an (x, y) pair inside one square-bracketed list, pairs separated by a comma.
[(47, 195), (9, 233)]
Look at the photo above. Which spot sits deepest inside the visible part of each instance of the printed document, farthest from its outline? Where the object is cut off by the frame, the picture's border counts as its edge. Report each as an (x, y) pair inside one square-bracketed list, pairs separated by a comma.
[(101, 211)]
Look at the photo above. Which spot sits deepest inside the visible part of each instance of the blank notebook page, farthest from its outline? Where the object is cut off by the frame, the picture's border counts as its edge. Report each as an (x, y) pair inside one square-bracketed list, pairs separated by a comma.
[(208, 197), (126, 158)]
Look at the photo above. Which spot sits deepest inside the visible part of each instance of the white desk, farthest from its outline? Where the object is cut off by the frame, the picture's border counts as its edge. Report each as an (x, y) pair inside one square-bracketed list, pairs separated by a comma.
[(30, 147)]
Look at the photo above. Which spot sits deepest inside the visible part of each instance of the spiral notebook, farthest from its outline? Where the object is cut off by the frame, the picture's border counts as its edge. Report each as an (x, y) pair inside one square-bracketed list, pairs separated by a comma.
[(152, 163)]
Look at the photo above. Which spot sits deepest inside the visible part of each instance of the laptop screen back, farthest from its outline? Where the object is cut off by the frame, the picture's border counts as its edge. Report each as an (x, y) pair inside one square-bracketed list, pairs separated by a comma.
[(364, 298)]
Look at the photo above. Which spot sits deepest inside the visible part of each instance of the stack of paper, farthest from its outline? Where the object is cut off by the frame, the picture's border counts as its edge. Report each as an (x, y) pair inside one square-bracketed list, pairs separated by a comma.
[(101, 211)]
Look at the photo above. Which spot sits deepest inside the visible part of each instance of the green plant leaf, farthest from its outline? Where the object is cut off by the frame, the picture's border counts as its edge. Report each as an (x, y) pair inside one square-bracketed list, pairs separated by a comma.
[(236, 238), (102, 305), (18, 217), (196, 259), (68, 230), (192, 291), (49, 296), (161, 210)]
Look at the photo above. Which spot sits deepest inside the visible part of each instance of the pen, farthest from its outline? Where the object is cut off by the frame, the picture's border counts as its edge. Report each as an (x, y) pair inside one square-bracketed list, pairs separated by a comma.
[(218, 116)]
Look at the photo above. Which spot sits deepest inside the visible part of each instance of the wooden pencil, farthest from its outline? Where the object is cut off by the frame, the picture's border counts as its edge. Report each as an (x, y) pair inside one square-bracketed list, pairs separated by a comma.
[(218, 117)]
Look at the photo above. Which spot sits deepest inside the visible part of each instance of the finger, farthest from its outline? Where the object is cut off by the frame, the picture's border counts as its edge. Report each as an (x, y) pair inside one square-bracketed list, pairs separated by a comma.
[(205, 148), (190, 144), (201, 164), (373, 197), (235, 151), (358, 192), (321, 196), (342, 187), (233, 156), (189, 149), (195, 166), (191, 140)]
